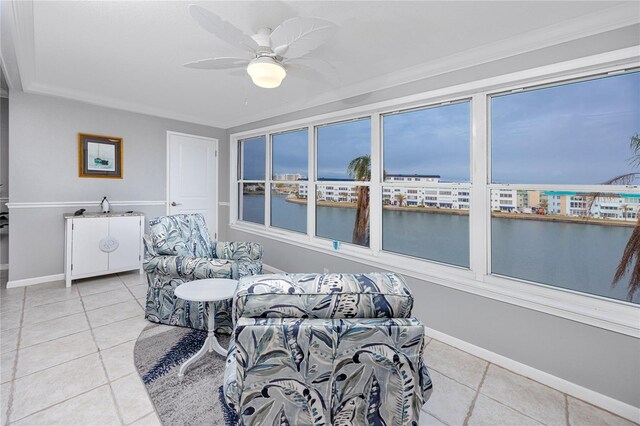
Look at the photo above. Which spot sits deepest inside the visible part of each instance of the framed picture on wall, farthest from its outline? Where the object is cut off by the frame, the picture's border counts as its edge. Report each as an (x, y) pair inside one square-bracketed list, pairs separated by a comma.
[(99, 156)]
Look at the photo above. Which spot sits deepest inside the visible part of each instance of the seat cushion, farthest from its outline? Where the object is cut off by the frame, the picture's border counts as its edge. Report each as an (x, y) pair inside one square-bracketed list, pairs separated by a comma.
[(181, 235), (372, 295)]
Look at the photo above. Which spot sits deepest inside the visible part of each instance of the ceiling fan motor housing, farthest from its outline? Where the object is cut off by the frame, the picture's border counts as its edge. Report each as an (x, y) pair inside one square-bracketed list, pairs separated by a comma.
[(262, 38)]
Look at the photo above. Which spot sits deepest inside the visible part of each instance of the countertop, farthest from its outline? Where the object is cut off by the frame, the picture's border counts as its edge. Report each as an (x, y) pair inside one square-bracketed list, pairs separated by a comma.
[(89, 215)]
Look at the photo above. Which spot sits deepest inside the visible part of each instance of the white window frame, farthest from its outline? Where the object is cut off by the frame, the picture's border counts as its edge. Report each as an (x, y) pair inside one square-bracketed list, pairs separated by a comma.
[(271, 181), (614, 315), (239, 176)]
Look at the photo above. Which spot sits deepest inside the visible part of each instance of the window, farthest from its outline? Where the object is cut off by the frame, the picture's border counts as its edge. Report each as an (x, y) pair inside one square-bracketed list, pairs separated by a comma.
[(344, 154), (573, 134), (429, 146), (289, 169), (556, 220), (252, 179)]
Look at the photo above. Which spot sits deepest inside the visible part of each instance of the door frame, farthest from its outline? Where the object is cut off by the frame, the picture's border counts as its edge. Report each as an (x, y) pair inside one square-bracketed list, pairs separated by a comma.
[(214, 143)]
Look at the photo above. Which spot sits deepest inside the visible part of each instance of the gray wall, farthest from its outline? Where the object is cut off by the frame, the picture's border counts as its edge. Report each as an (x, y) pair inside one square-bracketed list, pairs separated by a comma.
[(601, 360), (4, 171), (43, 142)]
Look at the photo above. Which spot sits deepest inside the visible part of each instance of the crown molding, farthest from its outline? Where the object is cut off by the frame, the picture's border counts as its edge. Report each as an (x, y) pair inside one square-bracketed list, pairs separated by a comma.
[(587, 25), (37, 88), (23, 36)]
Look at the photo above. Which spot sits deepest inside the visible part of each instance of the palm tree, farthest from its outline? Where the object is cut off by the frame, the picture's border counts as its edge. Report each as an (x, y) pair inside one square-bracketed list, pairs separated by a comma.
[(360, 169), (400, 199), (544, 204), (625, 209), (631, 251)]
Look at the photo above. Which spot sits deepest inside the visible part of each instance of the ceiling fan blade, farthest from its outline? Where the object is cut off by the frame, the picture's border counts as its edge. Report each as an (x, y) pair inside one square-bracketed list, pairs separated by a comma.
[(222, 29), (296, 37), (314, 69), (218, 63)]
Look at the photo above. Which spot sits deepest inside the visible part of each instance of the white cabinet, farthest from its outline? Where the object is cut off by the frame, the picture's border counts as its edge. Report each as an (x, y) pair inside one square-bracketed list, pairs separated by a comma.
[(102, 243)]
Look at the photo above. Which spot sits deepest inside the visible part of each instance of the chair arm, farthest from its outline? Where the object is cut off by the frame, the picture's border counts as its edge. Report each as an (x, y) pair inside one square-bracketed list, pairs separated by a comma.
[(149, 250), (243, 268), (191, 268), (327, 369), (238, 250)]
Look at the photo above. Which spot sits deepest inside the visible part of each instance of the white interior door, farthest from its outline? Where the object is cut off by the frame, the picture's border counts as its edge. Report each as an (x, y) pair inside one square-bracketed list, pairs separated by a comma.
[(192, 176)]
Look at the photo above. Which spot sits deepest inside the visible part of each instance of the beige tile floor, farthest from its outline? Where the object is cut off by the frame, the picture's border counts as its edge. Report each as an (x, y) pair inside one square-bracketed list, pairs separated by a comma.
[(67, 358), (67, 354)]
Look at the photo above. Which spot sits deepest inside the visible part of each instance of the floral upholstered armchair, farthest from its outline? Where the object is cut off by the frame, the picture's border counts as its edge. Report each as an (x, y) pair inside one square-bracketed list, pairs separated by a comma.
[(334, 349), (179, 249)]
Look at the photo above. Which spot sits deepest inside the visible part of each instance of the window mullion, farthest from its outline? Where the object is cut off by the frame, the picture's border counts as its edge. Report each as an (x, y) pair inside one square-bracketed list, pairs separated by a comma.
[(479, 214), (233, 182), (311, 181), (375, 190), (267, 180)]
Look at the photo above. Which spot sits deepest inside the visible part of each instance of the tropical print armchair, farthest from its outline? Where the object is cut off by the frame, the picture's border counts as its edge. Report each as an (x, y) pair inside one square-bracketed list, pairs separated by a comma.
[(179, 249), (334, 349)]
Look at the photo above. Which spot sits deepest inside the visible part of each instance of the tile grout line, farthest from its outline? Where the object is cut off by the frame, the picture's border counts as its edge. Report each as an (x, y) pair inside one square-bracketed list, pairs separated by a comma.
[(98, 351), (104, 368), (451, 378), (134, 296), (566, 409), (14, 369), (478, 391), (475, 398), (153, 409), (138, 419), (108, 383), (61, 402), (504, 404)]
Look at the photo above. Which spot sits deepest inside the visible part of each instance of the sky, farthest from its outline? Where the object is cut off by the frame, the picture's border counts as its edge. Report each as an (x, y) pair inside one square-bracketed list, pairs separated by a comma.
[(340, 143), (574, 133), (432, 141), (290, 153)]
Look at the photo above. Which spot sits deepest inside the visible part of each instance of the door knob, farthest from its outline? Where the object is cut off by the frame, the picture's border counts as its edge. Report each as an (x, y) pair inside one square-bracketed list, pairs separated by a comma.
[(173, 203)]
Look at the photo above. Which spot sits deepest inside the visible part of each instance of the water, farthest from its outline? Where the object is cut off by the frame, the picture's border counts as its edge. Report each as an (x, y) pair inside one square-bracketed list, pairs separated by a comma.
[(568, 255)]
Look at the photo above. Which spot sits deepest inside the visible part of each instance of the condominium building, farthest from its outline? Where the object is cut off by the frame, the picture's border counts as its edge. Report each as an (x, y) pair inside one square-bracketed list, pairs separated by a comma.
[(614, 206)]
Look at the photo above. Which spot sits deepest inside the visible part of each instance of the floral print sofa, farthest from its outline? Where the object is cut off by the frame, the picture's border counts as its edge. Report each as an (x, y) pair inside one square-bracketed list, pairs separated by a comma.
[(334, 349), (178, 249)]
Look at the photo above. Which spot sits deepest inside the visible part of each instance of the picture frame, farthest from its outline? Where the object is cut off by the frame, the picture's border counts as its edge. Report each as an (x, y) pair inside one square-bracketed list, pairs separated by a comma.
[(99, 156)]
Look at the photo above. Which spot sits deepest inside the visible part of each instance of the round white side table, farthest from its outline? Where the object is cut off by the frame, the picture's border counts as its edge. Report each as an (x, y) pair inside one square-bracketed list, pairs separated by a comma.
[(207, 290)]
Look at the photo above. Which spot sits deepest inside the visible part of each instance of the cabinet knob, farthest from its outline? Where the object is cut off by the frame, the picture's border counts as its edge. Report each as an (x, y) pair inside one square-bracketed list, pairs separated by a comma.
[(173, 203)]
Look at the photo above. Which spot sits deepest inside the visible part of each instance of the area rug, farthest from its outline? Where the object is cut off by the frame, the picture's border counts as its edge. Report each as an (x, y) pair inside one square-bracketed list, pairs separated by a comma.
[(197, 399)]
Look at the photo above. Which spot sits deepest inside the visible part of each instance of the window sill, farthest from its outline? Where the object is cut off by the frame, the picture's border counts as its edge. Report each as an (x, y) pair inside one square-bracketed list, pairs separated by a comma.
[(620, 317)]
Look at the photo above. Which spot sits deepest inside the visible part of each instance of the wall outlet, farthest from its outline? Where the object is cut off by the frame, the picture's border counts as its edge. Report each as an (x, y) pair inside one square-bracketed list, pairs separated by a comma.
[(326, 270)]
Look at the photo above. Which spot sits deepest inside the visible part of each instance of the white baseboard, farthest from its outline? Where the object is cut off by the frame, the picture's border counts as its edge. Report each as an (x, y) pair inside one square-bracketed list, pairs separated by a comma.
[(35, 280), (272, 270), (610, 404), (4, 267)]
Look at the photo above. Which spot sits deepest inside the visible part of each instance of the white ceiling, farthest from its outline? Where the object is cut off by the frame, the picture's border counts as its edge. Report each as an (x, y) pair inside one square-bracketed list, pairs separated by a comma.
[(128, 55)]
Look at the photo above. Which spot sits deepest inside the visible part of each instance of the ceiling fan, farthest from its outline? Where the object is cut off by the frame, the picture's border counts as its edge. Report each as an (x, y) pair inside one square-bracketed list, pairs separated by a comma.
[(269, 55)]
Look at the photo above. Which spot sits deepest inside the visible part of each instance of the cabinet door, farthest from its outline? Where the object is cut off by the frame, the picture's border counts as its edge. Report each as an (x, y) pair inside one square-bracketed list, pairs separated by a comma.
[(127, 231), (86, 256)]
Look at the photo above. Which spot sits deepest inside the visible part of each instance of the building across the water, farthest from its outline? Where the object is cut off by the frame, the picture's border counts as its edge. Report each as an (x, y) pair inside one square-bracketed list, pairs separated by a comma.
[(612, 206)]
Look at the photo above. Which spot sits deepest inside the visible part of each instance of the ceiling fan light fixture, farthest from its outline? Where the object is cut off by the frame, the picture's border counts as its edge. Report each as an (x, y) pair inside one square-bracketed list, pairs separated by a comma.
[(266, 72)]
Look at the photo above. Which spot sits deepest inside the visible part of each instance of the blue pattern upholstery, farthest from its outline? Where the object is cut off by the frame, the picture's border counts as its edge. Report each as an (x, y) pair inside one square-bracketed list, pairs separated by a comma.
[(336, 349), (178, 249)]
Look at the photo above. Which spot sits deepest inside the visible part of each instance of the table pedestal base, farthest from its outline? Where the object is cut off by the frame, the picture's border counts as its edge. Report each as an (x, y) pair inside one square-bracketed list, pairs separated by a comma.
[(210, 344)]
